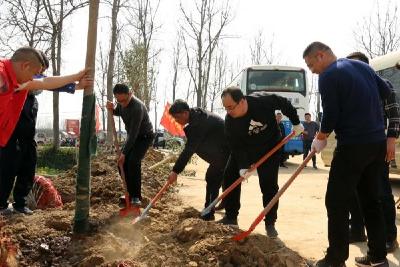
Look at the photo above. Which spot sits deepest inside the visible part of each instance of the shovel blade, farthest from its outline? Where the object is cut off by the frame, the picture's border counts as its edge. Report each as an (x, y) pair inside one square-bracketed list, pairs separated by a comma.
[(139, 219), (241, 236), (135, 211)]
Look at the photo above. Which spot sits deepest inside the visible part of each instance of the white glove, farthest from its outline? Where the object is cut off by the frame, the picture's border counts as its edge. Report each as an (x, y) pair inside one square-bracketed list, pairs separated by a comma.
[(242, 172), (298, 129), (318, 145)]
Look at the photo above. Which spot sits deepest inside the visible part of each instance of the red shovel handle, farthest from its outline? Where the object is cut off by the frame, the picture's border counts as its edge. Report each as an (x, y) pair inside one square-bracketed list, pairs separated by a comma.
[(162, 190), (256, 165), (274, 199)]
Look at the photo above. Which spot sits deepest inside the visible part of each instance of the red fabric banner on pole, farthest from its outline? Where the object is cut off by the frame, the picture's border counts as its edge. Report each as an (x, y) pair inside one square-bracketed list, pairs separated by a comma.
[(169, 123)]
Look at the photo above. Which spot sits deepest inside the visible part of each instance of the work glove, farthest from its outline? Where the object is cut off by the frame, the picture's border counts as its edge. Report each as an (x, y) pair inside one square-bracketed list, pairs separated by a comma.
[(318, 145), (243, 171), (298, 129)]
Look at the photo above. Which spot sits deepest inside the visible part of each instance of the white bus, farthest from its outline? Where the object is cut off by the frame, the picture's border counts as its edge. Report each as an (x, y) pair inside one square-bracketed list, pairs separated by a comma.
[(385, 66), (289, 82)]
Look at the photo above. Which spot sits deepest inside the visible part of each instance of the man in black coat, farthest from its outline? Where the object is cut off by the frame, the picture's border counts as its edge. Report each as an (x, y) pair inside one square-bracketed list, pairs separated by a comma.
[(252, 130), (205, 137)]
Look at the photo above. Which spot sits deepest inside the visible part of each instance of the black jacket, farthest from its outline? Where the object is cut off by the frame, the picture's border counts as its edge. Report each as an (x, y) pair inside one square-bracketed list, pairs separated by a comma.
[(26, 126), (252, 135), (205, 137), (137, 122)]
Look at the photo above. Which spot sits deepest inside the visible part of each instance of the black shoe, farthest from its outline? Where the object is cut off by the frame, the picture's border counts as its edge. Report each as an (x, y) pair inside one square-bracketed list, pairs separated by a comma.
[(207, 217), (391, 246), (271, 231), (228, 221), (24, 210), (366, 262), (325, 263), (315, 167), (356, 238)]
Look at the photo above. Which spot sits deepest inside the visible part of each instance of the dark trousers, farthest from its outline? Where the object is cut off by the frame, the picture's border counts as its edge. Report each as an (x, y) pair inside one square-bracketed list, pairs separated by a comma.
[(17, 159), (214, 179), (133, 166), (355, 167), (388, 206), (268, 181), (307, 149)]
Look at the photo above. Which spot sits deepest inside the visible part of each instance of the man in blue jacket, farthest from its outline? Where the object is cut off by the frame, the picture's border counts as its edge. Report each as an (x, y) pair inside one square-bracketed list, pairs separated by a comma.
[(351, 95)]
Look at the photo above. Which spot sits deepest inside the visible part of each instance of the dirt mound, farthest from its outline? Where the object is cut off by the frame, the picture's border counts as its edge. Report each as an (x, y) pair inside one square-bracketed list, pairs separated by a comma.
[(171, 236)]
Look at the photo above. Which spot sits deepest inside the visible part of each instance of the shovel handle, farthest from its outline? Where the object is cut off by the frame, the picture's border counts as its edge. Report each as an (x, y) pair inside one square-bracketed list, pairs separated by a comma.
[(160, 192), (248, 172), (158, 195), (275, 198)]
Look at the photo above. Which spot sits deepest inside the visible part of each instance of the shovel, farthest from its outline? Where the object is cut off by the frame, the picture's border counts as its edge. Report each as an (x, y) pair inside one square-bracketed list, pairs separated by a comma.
[(129, 208), (152, 202), (247, 174), (273, 201)]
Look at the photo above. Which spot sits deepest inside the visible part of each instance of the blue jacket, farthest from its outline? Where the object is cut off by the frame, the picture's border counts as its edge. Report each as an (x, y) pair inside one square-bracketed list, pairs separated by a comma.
[(351, 94)]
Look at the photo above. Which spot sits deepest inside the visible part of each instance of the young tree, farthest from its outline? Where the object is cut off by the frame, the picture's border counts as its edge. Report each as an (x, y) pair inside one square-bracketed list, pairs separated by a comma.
[(262, 53), (176, 63), (143, 13), (114, 36), (379, 33), (202, 31), (102, 86), (23, 23), (82, 207), (219, 77)]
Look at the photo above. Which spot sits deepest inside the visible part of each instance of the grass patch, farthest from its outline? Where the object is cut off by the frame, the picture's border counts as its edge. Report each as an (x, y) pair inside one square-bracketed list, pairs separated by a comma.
[(52, 161)]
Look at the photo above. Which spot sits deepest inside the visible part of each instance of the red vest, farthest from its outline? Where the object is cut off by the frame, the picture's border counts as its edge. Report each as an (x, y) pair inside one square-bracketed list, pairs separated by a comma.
[(11, 103)]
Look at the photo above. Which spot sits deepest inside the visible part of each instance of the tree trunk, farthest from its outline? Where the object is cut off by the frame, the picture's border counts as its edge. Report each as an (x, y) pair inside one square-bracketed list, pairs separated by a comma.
[(88, 137), (111, 64), (56, 72)]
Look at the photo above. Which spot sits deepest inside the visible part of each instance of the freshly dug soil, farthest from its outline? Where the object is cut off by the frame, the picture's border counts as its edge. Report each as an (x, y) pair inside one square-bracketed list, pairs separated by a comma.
[(171, 236)]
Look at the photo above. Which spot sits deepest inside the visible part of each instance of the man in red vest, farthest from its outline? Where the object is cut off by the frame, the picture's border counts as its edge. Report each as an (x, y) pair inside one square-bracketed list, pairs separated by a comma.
[(15, 73), (16, 79)]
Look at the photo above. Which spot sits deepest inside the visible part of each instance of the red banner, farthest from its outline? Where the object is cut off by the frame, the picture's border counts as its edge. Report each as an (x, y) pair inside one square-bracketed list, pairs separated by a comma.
[(170, 124)]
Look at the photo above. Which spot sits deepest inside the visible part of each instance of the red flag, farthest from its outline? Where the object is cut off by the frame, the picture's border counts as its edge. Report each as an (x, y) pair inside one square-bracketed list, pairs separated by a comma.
[(170, 124)]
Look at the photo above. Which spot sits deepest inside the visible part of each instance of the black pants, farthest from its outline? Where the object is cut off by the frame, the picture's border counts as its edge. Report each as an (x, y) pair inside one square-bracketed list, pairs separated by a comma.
[(17, 159), (355, 167), (307, 149), (268, 181), (388, 206), (133, 166), (214, 180)]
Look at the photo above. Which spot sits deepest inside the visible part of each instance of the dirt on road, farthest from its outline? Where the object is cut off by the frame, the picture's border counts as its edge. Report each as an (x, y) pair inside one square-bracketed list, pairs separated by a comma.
[(172, 236)]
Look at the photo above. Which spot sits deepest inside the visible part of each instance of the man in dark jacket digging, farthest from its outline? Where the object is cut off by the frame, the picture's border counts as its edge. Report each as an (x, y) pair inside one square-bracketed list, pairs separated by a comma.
[(205, 137), (252, 130), (140, 137)]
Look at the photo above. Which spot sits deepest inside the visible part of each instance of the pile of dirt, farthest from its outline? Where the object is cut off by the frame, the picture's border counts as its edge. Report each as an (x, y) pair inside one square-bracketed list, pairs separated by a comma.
[(172, 236)]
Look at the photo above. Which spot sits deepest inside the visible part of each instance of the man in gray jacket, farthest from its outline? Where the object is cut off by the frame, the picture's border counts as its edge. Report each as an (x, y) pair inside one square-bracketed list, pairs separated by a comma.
[(140, 137)]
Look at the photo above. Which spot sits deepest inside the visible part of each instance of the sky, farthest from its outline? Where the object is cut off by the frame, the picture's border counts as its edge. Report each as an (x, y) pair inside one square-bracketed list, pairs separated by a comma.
[(293, 23)]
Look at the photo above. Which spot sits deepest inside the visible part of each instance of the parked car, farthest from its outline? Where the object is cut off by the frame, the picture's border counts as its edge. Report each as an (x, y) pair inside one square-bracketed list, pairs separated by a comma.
[(159, 139), (40, 138)]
